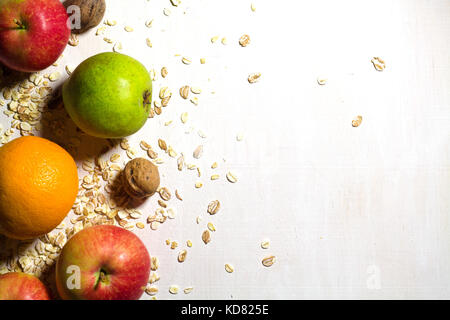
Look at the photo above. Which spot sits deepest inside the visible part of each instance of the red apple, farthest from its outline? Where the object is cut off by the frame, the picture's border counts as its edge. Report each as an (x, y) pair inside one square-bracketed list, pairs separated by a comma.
[(22, 286), (103, 263), (33, 33)]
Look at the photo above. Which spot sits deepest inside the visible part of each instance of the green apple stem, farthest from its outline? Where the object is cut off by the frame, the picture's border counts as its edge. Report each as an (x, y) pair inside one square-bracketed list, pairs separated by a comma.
[(102, 278), (20, 24)]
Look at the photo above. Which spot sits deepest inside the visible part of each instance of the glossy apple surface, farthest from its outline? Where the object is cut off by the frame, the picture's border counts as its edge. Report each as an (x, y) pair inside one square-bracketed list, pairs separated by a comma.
[(109, 95), (21, 286), (33, 33), (103, 263)]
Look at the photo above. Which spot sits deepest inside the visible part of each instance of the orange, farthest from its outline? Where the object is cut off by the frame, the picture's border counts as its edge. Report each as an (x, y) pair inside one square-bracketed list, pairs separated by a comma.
[(38, 186)]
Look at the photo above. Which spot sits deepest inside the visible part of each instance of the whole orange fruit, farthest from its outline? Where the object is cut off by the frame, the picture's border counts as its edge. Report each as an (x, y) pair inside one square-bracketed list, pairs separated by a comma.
[(38, 186)]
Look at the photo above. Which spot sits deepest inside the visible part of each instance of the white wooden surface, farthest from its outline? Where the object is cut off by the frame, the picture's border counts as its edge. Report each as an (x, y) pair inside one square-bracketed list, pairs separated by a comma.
[(350, 212)]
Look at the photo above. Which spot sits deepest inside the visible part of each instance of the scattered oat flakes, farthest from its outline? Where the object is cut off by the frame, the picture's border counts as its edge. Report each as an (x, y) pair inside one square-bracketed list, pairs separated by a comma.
[(231, 177), (184, 117), (184, 92), (171, 213), (153, 277), (165, 92), (322, 80), (214, 39), (149, 43), (265, 244), (69, 69), (182, 256), (206, 236), (152, 154), (124, 144), (118, 47), (213, 207), (196, 90), (186, 60), (164, 72), (224, 41), (144, 145), (167, 12), (162, 144), (174, 289), (191, 166), (194, 101), (357, 121), (140, 225), (172, 153), (253, 7), (154, 225), (202, 60), (378, 64), (164, 194), (100, 31), (178, 195), (73, 40), (149, 23), (268, 261), (244, 40), (175, 3), (198, 152), (198, 185), (111, 23), (115, 157), (128, 29), (165, 101), (215, 177), (188, 290), (229, 268), (189, 243), (211, 227), (153, 74), (54, 76), (239, 137), (151, 290), (214, 165), (131, 153), (254, 77)]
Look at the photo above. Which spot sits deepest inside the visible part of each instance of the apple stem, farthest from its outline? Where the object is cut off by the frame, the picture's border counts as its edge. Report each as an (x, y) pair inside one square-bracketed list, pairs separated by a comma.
[(147, 97), (102, 277), (19, 24)]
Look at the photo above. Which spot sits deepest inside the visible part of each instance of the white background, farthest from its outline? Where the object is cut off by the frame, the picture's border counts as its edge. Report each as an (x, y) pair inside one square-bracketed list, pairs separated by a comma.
[(343, 207)]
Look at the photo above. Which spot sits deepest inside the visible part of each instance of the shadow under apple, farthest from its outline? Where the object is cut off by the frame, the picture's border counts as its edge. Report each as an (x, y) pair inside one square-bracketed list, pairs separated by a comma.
[(10, 78), (57, 126)]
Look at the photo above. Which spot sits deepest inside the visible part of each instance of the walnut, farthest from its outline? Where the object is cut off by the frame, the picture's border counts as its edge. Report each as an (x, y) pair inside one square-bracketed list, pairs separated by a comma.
[(140, 178)]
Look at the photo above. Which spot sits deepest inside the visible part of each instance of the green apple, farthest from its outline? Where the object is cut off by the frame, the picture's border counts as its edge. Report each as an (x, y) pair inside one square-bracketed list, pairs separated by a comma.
[(109, 95)]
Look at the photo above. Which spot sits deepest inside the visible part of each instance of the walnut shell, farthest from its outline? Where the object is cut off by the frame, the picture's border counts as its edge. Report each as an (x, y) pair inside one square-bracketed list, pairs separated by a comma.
[(140, 178), (92, 12)]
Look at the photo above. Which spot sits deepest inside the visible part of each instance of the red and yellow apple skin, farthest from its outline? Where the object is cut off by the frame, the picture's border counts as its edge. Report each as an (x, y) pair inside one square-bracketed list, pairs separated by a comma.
[(113, 264), (22, 286), (33, 33)]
